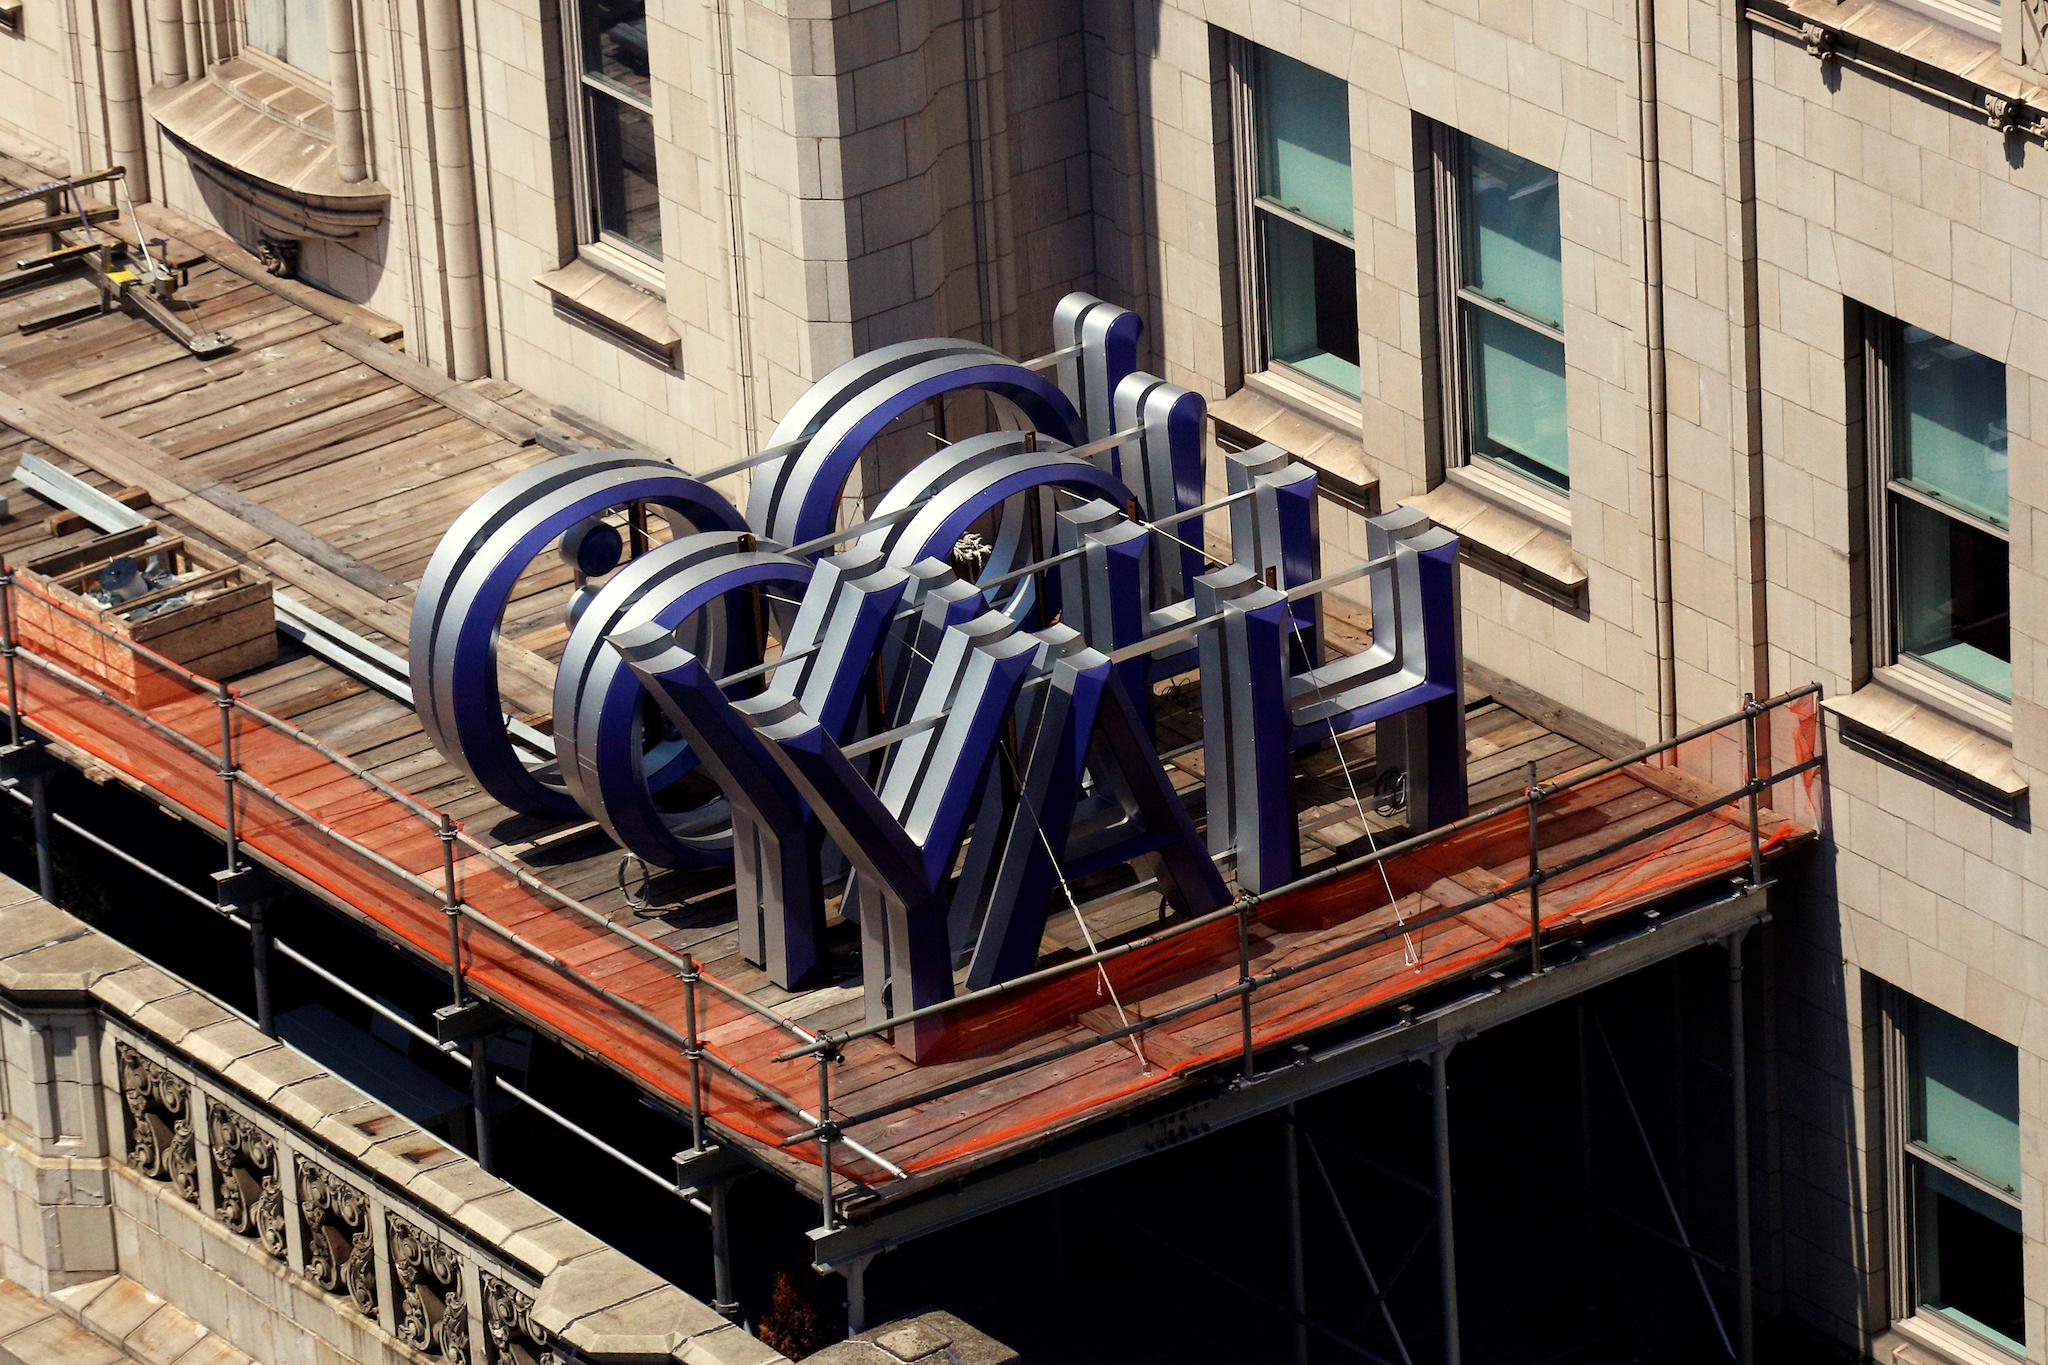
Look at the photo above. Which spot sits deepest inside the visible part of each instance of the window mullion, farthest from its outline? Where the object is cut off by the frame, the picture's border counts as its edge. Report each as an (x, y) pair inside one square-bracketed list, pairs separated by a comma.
[(1948, 509), (1470, 295), (1920, 1151), (1343, 239)]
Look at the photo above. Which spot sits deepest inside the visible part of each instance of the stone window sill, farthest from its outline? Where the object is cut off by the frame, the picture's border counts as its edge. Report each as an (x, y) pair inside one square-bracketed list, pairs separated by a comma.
[(1888, 715), (1305, 425), (10, 16), (268, 140), (1505, 538), (615, 306), (1922, 1340)]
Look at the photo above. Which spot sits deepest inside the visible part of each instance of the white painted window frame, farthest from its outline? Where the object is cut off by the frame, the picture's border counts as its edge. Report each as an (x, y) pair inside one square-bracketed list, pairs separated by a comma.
[(1252, 212), (579, 87), (1880, 340), (1488, 477), (1936, 1333)]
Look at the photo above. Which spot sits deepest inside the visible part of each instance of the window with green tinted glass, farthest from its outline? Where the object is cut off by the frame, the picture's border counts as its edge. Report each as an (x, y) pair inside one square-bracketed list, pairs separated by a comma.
[(1962, 1167), (1301, 219), (1938, 426), (615, 106), (1502, 252)]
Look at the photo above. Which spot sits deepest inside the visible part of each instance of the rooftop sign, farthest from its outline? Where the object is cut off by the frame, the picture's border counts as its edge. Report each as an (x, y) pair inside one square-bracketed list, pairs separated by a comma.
[(969, 670)]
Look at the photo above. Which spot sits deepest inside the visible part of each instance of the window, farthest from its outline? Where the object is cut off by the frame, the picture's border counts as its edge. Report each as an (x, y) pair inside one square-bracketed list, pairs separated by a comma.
[(1955, 1102), (1937, 436), (1499, 252), (1303, 279), (615, 111), (293, 31)]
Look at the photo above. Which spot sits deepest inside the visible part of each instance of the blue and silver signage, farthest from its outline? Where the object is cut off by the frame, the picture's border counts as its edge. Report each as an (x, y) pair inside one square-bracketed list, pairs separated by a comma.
[(959, 713)]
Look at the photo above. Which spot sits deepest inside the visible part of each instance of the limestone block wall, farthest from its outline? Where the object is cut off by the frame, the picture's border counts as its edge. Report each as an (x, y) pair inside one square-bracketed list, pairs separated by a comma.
[(1871, 192), (1552, 80)]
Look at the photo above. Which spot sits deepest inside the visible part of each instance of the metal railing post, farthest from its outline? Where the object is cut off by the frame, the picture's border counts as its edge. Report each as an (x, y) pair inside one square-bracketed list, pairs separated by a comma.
[(225, 700), (1749, 777), (451, 904), (1244, 983), (1535, 798), (694, 1050), (7, 654), (827, 1133)]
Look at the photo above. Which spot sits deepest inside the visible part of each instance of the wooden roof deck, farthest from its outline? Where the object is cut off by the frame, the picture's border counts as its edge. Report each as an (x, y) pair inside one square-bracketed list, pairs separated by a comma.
[(335, 463)]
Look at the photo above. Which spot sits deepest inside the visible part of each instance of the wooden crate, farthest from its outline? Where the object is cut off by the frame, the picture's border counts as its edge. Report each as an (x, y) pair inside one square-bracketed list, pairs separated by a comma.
[(226, 625)]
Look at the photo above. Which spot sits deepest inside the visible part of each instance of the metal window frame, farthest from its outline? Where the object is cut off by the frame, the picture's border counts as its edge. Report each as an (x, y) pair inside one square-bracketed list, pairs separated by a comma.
[(1254, 211), (583, 86), (1903, 1154), (1882, 338), (1455, 299)]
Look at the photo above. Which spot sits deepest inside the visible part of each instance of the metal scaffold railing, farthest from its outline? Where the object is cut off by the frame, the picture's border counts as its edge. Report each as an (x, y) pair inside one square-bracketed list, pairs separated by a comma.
[(1211, 990)]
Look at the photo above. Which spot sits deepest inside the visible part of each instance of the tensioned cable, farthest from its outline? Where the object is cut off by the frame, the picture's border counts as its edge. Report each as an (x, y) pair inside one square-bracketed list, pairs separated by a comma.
[(1410, 955), (1087, 935)]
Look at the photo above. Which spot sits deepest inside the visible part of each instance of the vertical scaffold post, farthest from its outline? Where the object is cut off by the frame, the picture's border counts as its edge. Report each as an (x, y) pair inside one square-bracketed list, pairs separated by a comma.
[(39, 814), (1749, 778), (1297, 1262), (480, 1100), (7, 654), (230, 827), (827, 1131), (1244, 982), (694, 1050), (479, 1044), (1535, 798), (1738, 1108), (1446, 1227), (38, 784), (451, 905), (722, 1300)]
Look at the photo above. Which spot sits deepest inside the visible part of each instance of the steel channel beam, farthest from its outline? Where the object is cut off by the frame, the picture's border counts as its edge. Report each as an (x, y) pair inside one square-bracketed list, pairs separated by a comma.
[(1221, 1105)]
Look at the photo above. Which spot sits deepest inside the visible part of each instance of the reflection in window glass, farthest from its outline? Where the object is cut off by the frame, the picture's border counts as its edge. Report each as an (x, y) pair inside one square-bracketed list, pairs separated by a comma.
[(622, 197), (1517, 395), (1510, 311), (293, 31), (1513, 238), (628, 206), (615, 43), (1304, 124), (1963, 1159), (1312, 304), (1945, 480), (1302, 215)]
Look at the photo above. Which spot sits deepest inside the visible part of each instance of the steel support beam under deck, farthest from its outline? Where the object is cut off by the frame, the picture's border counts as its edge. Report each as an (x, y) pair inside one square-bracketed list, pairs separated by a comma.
[(1660, 938)]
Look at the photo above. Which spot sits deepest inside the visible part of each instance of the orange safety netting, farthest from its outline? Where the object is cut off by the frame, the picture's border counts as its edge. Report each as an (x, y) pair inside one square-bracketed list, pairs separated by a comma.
[(379, 851)]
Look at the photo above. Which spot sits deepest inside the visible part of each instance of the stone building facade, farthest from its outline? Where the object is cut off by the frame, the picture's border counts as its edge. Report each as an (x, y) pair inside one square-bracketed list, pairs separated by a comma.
[(1717, 330)]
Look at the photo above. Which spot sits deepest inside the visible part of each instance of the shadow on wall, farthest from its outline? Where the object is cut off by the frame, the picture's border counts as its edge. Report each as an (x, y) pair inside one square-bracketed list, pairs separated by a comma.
[(351, 269)]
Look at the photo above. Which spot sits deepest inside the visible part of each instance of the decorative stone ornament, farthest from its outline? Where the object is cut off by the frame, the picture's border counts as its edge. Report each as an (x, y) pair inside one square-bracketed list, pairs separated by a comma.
[(432, 1315), (340, 1248), (247, 1196), (159, 1108)]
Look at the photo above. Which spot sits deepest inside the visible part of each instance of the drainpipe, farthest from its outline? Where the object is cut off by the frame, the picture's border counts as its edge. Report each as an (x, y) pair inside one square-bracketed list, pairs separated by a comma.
[(349, 157), (455, 185), (167, 41), (1660, 411), (124, 94), (736, 226)]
